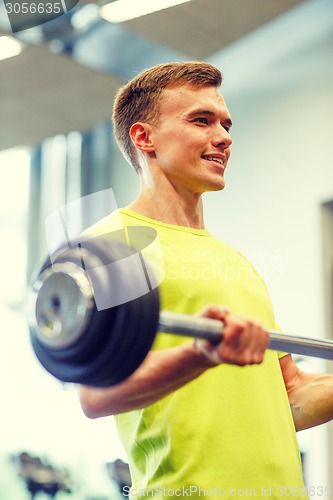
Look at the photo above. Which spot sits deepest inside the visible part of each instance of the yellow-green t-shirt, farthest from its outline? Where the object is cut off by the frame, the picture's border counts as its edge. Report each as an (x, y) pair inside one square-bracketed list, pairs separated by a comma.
[(229, 432)]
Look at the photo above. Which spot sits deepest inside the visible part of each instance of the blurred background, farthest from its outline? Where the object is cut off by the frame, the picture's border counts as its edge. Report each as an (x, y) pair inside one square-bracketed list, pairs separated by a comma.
[(57, 84)]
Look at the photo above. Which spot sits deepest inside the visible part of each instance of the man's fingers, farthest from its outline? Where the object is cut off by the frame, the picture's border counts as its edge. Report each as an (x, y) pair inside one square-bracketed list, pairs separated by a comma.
[(244, 340)]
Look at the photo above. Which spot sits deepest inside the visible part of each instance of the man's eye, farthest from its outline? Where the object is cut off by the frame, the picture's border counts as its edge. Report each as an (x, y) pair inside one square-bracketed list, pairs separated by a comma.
[(201, 119)]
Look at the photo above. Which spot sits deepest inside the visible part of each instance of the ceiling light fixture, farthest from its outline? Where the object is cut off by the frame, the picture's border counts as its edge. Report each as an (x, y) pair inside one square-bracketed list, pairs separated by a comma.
[(9, 47), (124, 10)]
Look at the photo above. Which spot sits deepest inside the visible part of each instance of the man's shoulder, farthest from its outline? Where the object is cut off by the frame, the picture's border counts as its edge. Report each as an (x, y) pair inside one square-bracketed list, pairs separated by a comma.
[(111, 222)]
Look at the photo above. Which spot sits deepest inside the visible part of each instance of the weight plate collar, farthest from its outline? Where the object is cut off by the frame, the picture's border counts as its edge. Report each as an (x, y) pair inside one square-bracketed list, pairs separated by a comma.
[(60, 305)]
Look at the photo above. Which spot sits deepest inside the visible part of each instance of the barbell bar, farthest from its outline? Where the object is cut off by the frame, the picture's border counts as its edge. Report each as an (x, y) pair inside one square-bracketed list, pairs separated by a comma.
[(209, 329), (79, 343)]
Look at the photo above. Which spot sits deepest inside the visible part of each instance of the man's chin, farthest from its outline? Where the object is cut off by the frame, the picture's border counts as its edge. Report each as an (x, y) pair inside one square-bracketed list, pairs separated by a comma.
[(218, 186)]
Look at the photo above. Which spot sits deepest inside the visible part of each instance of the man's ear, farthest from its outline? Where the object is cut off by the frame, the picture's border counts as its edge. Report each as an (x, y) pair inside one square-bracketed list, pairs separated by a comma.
[(140, 133)]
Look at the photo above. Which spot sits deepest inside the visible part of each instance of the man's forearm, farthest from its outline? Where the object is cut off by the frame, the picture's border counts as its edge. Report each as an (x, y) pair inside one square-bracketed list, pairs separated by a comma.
[(164, 371), (161, 373)]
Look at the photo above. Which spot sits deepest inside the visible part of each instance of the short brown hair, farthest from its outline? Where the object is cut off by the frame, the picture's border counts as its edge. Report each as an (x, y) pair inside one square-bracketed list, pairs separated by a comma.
[(139, 99)]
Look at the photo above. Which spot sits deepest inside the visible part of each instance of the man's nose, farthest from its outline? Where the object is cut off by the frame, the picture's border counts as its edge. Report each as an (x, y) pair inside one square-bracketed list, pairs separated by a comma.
[(222, 137)]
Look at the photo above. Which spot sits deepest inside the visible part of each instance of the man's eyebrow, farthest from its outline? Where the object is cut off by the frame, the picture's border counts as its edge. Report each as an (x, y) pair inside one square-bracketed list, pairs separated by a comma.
[(209, 112)]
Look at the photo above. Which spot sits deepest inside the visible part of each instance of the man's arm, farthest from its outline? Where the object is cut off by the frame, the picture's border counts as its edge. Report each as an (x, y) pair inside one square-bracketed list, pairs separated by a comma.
[(161, 373), (310, 395), (164, 371)]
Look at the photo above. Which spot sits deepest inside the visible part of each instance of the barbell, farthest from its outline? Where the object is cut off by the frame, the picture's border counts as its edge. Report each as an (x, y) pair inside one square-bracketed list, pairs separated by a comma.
[(78, 342)]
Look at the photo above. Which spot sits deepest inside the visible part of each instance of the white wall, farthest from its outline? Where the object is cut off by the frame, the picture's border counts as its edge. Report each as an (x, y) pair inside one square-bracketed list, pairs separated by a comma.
[(279, 89)]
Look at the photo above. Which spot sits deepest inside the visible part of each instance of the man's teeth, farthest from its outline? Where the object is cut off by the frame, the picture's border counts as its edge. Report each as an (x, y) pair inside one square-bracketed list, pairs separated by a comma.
[(210, 158)]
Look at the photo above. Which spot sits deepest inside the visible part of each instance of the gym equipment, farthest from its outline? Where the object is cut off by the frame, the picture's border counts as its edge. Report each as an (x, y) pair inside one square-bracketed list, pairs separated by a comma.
[(39, 476), (78, 342)]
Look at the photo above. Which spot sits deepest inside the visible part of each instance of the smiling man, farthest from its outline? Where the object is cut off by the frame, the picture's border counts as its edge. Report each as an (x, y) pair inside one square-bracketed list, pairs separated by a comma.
[(198, 419), (191, 145)]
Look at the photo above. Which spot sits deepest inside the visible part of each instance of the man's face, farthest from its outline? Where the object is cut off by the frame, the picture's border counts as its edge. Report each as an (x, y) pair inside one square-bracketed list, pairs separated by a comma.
[(192, 141)]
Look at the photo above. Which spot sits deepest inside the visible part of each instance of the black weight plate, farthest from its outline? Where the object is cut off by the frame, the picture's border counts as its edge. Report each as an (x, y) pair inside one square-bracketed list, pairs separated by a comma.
[(85, 345), (137, 339), (147, 316), (90, 342), (131, 337), (69, 369), (122, 353), (116, 340)]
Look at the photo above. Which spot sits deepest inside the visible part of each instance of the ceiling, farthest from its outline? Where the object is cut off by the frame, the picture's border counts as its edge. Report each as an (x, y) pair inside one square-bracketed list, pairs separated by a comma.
[(202, 27), (46, 90)]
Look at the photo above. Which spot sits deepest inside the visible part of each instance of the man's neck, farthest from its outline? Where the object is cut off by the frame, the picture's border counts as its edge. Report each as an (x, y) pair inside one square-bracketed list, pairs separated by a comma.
[(170, 207)]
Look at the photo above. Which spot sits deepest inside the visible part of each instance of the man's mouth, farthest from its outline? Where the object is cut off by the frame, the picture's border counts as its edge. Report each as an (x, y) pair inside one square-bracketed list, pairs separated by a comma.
[(216, 159)]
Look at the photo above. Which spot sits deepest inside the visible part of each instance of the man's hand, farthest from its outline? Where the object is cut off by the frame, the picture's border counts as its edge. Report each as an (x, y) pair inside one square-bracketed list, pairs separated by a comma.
[(244, 340)]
